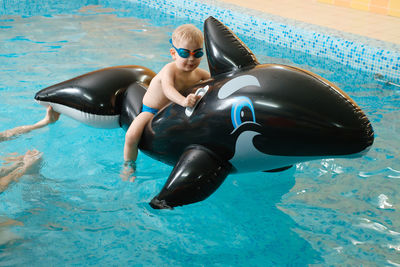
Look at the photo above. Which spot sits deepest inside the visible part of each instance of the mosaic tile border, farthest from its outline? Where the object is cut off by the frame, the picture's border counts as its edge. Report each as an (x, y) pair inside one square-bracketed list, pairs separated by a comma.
[(374, 56)]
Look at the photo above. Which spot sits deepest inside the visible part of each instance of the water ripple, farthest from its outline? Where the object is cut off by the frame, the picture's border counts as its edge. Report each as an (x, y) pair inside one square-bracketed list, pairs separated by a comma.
[(383, 202), (368, 224), (387, 172), (393, 263)]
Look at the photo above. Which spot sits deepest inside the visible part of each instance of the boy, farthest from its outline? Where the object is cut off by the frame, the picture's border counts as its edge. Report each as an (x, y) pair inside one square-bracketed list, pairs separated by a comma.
[(182, 73)]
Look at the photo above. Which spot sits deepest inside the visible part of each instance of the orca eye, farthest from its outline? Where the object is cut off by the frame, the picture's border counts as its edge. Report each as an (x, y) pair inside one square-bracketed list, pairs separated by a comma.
[(242, 111)]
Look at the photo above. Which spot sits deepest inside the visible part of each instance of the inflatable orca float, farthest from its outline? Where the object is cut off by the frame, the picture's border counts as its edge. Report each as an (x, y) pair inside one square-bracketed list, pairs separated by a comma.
[(251, 117)]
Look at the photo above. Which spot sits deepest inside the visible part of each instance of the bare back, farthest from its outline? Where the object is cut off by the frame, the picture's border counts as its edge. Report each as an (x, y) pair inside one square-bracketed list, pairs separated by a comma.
[(168, 83)]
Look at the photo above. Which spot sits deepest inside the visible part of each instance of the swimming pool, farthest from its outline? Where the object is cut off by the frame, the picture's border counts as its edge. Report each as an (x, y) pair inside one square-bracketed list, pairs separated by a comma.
[(78, 211)]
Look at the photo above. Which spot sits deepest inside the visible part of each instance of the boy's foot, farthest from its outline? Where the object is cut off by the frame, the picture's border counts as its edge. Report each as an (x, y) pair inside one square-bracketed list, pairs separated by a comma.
[(128, 170)]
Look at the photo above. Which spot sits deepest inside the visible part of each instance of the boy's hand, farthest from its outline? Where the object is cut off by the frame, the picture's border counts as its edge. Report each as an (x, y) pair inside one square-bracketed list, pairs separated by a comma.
[(191, 100)]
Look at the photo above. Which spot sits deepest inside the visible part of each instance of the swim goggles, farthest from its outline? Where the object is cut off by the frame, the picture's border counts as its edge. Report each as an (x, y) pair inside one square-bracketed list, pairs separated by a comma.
[(185, 53)]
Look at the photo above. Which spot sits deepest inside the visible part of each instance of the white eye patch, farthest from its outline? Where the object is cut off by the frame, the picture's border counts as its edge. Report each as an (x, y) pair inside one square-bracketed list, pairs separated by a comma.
[(236, 84)]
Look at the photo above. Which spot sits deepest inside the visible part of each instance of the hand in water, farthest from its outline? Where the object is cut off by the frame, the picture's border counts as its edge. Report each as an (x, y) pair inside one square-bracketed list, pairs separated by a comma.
[(27, 163), (31, 160)]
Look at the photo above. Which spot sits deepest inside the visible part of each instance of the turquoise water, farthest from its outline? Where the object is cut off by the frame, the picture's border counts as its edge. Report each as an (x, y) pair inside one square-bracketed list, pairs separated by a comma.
[(76, 210)]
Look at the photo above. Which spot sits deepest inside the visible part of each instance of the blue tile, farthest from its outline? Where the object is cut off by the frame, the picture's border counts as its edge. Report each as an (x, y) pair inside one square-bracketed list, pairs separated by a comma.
[(352, 50)]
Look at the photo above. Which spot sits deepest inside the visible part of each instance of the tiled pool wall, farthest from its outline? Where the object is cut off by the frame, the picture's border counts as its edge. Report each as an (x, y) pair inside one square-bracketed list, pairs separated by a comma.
[(26, 8), (373, 56), (361, 53)]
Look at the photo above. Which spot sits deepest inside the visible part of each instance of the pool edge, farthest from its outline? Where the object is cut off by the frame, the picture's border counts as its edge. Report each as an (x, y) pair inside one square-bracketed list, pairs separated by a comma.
[(379, 58)]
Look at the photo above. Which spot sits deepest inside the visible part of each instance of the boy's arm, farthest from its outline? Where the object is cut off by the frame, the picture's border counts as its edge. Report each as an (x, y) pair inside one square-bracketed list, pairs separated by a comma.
[(168, 87)]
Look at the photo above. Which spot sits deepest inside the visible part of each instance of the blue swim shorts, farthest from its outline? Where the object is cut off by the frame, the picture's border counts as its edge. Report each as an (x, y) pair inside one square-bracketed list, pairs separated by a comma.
[(149, 109)]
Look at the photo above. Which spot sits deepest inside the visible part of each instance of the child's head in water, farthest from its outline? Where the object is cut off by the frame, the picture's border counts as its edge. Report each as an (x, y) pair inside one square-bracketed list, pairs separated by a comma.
[(187, 47)]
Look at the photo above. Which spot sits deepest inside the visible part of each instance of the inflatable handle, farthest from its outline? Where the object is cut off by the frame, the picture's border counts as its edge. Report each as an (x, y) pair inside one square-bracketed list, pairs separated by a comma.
[(201, 92)]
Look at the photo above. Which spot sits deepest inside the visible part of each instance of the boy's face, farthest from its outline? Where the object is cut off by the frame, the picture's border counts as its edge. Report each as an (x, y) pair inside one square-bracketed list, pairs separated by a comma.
[(186, 64)]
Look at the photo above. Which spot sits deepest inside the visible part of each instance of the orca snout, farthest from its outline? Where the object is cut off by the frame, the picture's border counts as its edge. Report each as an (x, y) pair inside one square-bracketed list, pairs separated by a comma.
[(342, 130), (40, 96), (43, 95)]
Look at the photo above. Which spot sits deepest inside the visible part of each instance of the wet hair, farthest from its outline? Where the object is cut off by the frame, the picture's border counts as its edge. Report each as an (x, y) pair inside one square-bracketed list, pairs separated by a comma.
[(187, 32)]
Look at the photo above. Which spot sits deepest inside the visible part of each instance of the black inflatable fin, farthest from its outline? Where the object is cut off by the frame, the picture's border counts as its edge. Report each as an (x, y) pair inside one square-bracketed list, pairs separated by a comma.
[(280, 169), (96, 92), (225, 51), (197, 174), (131, 104)]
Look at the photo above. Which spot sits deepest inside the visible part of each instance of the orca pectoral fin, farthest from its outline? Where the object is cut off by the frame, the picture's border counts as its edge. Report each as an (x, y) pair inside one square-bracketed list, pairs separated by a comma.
[(197, 174)]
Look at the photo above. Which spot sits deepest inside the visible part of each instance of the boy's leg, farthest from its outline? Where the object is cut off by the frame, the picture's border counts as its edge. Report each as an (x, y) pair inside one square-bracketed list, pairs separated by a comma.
[(133, 135)]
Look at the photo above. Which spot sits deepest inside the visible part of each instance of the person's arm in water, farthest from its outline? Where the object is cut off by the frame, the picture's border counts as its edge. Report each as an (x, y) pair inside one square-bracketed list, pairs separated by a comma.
[(20, 167), (51, 116)]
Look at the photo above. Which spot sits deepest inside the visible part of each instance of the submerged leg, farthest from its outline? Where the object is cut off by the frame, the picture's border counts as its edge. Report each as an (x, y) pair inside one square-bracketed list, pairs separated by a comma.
[(132, 138), (197, 174)]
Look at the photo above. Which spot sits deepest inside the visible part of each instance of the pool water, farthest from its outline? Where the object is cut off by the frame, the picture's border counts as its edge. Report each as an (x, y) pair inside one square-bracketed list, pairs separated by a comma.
[(78, 211)]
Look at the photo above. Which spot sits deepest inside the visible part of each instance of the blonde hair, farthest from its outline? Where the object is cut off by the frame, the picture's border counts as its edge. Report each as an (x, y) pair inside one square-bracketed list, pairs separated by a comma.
[(187, 32)]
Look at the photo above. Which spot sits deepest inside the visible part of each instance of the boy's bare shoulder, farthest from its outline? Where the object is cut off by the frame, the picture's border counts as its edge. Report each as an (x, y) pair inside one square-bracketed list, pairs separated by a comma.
[(167, 71), (168, 67), (203, 74)]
